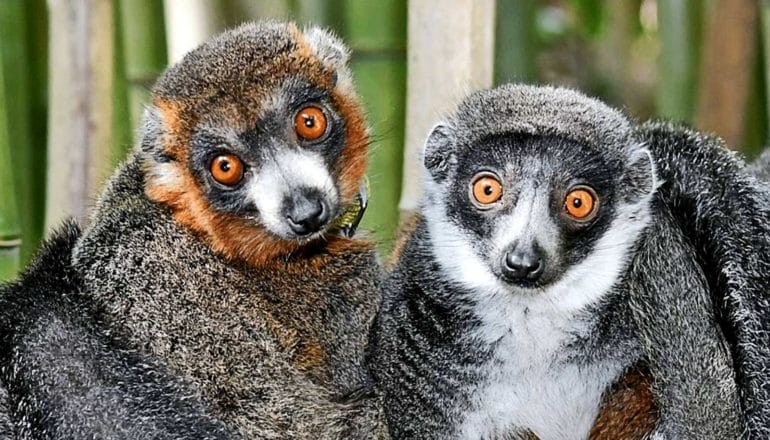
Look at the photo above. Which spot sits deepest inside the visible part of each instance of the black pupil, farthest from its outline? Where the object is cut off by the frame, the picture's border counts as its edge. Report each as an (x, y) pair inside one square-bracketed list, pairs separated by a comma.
[(309, 121), (577, 203), (488, 190), (224, 165)]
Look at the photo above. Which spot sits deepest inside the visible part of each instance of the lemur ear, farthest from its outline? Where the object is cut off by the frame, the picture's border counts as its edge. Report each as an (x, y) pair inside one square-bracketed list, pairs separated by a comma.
[(640, 178), (438, 156), (327, 47), (152, 131)]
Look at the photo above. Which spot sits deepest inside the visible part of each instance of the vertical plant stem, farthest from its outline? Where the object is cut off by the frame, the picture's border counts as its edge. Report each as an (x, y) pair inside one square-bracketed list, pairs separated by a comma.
[(143, 48), (462, 38), (376, 32), (679, 23), (727, 68), (318, 13), (80, 120), (28, 158), (189, 23), (764, 16), (515, 41), (10, 233)]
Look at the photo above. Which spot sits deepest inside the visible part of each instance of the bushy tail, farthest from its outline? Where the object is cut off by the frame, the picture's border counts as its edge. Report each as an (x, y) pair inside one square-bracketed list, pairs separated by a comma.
[(725, 211)]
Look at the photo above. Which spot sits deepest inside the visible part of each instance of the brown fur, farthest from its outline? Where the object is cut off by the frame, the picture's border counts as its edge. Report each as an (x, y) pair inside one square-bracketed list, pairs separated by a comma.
[(628, 411), (271, 332), (406, 228), (233, 237)]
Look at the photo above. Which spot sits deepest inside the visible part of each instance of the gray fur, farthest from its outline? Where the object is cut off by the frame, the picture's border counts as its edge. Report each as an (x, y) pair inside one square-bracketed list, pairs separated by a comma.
[(761, 166), (223, 333), (6, 427), (145, 331), (726, 212), (661, 313), (64, 375)]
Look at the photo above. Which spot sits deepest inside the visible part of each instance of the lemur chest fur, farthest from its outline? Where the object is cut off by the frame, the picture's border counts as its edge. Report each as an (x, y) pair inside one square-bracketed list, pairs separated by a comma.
[(533, 381)]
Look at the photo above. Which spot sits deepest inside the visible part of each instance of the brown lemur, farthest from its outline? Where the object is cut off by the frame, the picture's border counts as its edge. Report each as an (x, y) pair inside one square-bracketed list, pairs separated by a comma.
[(561, 281), (217, 253)]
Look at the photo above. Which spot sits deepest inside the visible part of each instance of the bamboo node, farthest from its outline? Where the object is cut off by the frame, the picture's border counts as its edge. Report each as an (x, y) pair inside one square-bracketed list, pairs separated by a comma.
[(12, 243)]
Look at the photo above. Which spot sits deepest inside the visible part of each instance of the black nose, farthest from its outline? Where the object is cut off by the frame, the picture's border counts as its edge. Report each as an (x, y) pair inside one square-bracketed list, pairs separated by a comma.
[(523, 265), (307, 214)]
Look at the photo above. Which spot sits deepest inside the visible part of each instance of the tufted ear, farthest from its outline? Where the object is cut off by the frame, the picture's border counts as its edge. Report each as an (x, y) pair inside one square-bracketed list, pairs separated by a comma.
[(327, 47), (640, 177), (438, 155), (151, 131)]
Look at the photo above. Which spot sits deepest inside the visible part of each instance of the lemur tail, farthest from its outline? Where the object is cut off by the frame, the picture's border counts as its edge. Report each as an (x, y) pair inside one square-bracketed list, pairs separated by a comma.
[(725, 211)]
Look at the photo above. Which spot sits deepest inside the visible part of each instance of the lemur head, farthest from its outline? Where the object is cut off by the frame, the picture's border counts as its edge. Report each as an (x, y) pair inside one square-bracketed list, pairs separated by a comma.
[(256, 140), (535, 191)]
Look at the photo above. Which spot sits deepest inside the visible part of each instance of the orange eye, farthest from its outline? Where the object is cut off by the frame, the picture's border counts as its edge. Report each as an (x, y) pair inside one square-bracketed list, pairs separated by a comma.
[(310, 123), (227, 169), (486, 189), (581, 203)]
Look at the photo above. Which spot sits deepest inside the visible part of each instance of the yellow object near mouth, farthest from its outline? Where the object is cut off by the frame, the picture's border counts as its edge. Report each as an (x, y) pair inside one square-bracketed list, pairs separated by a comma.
[(347, 222)]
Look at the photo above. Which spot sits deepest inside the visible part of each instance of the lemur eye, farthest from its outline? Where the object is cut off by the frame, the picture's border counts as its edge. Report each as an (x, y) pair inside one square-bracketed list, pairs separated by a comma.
[(310, 123), (227, 169), (581, 203), (486, 189)]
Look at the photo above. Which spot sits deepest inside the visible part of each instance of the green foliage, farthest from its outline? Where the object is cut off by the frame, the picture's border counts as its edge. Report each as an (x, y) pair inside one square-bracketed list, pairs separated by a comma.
[(376, 32), (140, 56), (679, 23), (515, 41), (9, 221), (590, 14), (22, 60)]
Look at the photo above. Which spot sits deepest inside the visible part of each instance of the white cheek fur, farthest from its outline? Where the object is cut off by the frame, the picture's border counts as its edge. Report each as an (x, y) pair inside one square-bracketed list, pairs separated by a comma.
[(286, 172), (528, 385)]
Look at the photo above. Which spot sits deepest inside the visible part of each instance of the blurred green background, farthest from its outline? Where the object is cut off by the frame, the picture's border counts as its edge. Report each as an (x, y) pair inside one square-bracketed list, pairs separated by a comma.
[(700, 62)]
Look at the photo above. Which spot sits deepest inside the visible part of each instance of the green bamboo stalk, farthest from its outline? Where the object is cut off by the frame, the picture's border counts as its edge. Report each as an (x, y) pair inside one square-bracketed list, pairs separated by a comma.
[(10, 232), (376, 31), (142, 51), (122, 123), (317, 12), (27, 157), (33, 224), (755, 129), (764, 15), (515, 41), (679, 24)]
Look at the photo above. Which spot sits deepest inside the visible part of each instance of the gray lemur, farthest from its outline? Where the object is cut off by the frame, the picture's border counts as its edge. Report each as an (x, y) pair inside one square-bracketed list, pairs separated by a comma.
[(560, 282), (215, 260)]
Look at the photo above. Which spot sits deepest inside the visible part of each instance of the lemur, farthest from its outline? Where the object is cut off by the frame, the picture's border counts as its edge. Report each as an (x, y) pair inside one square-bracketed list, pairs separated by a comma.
[(217, 252), (65, 376), (554, 286)]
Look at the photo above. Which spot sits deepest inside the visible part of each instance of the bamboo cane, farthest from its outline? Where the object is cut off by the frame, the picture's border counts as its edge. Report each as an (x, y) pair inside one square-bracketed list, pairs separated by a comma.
[(376, 32), (141, 55), (27, 157), (10, 233), (679, 29), (80, 117), (462, 38), (515, 41)]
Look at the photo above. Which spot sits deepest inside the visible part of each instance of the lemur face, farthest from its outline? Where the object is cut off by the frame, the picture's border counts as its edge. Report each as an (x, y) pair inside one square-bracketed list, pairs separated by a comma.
[(526, 214), (282, 172), (256, 140)]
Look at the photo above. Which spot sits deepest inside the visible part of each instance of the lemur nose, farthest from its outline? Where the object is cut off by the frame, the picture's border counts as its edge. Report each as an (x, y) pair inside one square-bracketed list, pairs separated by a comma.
[(307, 214), (523, 265)]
